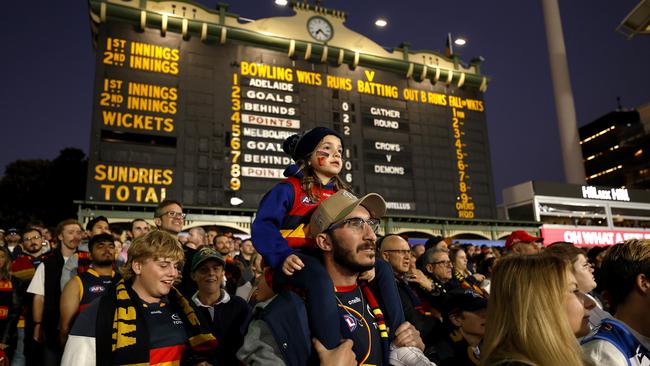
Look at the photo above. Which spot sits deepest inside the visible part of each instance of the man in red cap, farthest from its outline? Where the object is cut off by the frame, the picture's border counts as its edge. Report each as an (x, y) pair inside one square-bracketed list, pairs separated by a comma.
[(520, 242)]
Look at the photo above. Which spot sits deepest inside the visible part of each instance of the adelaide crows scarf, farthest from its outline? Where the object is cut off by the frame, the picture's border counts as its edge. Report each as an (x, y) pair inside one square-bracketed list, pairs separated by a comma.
[(122, 336), (379, 317)]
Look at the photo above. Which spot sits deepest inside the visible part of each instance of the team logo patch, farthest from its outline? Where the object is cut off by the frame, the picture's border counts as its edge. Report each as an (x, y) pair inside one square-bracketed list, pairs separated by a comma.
[(97, 289), (351, 322), (306, 201), (354, 301), (176, 319)]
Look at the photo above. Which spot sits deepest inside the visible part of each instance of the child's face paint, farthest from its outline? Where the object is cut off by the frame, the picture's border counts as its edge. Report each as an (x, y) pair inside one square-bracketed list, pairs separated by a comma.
[(321, 157), (326, 159)]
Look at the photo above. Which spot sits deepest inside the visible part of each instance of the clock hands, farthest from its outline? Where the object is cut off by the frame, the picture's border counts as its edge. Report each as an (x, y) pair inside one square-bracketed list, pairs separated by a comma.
[(319, 29)]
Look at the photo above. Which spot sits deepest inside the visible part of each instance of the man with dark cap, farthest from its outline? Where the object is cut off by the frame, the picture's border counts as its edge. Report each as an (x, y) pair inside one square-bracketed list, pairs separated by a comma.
[(228, 315), (12, 239), (520, 242), (464, 317)]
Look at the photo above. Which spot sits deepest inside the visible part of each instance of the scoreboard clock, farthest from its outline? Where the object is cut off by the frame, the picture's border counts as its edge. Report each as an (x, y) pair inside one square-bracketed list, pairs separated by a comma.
[(320, 29), (193, 105)]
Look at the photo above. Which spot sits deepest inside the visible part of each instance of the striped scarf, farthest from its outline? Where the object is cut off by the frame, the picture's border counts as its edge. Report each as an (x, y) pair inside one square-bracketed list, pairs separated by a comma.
[(128, 344), (379, 317), (469, 283)]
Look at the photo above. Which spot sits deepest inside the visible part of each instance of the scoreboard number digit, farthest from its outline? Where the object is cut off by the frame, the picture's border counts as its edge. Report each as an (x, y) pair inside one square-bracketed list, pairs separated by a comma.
[(235, 128), (235, 184), (345, 106), (465, 207)]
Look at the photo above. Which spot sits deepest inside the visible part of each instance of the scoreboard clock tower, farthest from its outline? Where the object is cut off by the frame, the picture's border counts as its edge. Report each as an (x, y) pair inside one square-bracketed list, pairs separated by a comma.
[(194, 105), (319, 28)]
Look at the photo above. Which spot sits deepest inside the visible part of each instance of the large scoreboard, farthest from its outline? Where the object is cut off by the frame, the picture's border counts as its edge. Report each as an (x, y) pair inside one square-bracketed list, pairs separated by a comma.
[(201, 117)]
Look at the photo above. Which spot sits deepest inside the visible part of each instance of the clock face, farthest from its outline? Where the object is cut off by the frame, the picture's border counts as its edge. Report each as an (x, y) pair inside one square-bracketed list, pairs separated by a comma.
[(320, 29)]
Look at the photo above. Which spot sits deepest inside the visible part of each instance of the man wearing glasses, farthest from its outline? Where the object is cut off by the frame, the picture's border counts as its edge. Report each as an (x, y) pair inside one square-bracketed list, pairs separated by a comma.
[(23, 268), (432, 287), (344, 228), (395, 250), (25, 264), (169, 217)]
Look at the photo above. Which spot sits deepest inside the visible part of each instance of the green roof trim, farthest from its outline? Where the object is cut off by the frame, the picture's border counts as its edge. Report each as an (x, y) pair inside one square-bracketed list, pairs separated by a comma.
[(211, 32)]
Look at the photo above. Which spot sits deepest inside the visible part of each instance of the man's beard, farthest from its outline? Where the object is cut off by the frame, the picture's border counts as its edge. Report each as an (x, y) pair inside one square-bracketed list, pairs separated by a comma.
[(103, 263), (345, 258), (33, 250), (70, 245)]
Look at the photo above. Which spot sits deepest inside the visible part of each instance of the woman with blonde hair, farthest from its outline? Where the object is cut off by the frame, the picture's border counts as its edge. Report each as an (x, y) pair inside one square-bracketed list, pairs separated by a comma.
[(584, 273), (534, 310)]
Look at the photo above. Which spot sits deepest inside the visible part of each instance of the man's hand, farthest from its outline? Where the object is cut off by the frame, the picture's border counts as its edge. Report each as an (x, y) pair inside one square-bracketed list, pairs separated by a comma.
[(420, 278), (339, 356), (368, 275), (291, 264), (38, 333), (479, 277), (407, 336)]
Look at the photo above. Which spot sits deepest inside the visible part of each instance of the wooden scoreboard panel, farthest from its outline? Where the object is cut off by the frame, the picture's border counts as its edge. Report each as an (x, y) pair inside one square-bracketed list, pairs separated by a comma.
[(203, 123)]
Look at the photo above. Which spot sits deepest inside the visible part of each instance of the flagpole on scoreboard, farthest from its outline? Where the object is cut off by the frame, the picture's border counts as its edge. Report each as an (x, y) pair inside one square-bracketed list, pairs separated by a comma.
[(449, 50)]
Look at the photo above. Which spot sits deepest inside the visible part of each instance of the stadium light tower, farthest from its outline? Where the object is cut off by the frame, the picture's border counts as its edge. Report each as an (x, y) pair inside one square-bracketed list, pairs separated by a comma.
[(574, 170)]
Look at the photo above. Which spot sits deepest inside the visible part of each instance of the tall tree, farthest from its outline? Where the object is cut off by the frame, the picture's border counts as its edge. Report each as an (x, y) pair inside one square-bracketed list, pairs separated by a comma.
[(42, 189)]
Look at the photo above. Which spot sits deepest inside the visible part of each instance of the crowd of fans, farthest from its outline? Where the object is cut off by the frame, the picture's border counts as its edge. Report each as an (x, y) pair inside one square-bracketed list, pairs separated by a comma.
[(314, 284), (469, 304)]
